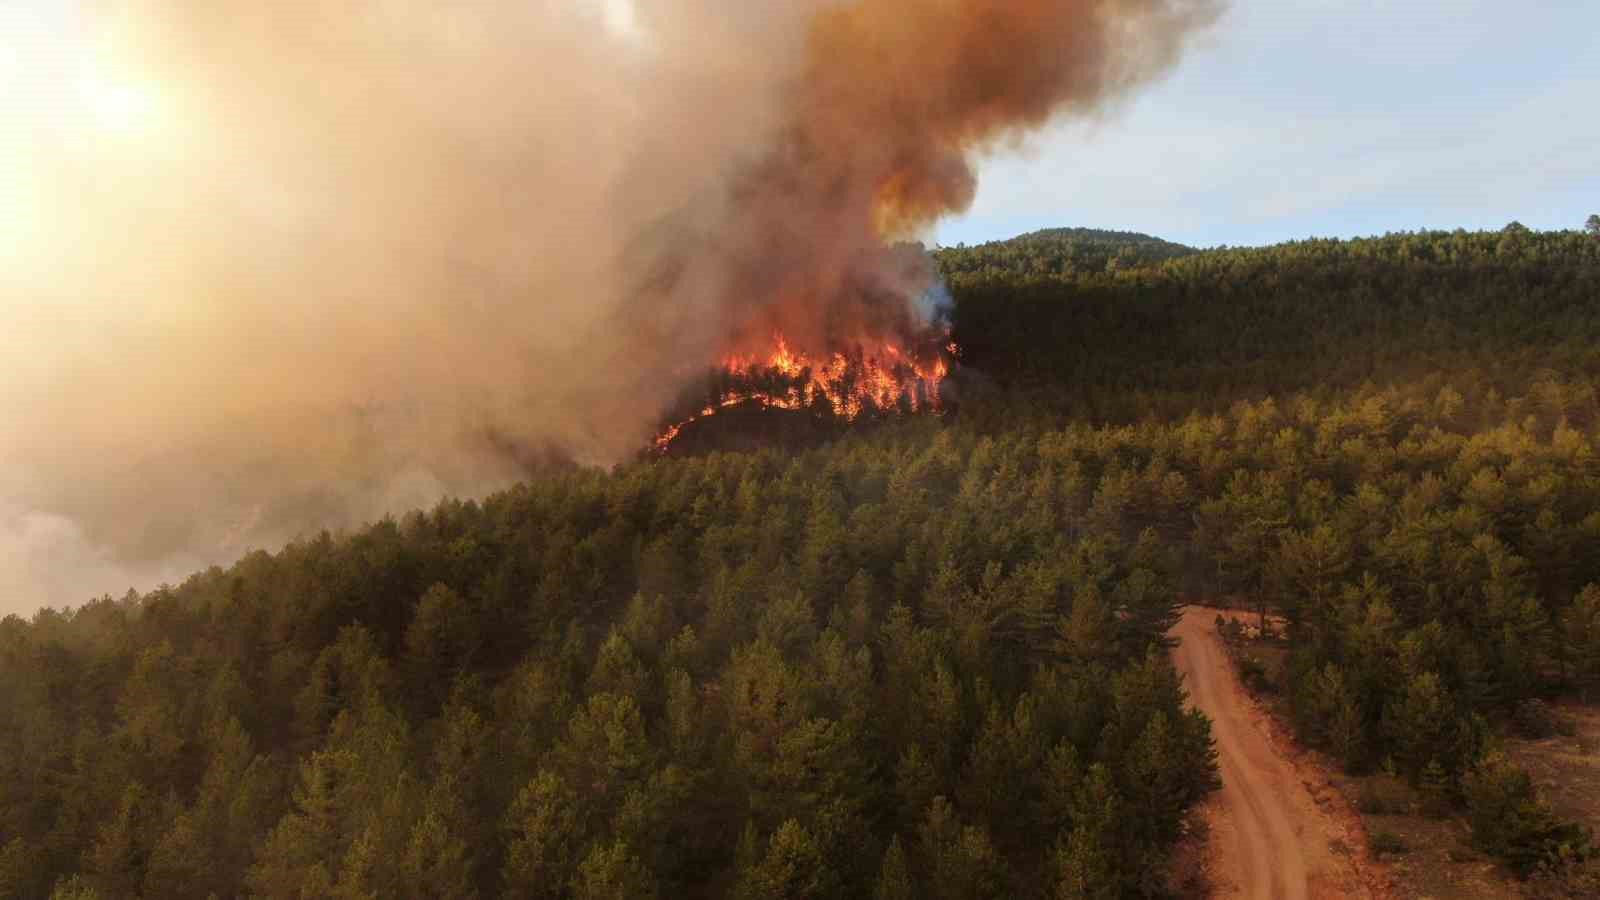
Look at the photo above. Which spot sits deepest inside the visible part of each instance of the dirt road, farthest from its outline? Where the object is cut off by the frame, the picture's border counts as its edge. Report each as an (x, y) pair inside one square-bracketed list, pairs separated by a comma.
[(1271, 838)]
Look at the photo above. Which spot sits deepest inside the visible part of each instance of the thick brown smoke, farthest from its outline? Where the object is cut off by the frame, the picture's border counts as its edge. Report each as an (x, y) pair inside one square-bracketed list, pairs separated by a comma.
[(880, 128), (343, 259)]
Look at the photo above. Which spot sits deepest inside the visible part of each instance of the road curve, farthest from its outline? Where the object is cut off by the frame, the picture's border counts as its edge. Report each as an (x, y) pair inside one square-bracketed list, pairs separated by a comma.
[(1269, 837)]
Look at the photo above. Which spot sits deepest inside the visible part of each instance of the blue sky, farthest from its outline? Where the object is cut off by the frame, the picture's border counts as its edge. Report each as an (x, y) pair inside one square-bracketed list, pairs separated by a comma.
[(1298, 118)]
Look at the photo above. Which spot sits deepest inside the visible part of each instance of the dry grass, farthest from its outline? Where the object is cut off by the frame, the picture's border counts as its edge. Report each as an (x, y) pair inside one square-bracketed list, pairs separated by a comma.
[(1567, 767), (1439, 861)]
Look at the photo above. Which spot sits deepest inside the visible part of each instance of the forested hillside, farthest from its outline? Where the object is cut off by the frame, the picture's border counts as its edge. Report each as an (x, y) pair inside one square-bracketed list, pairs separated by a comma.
[(862, 668), (1057, 252), (1490, 310), (926, 659)]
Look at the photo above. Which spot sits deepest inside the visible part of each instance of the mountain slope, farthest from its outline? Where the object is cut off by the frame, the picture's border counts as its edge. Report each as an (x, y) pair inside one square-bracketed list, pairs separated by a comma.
[(926, 655)]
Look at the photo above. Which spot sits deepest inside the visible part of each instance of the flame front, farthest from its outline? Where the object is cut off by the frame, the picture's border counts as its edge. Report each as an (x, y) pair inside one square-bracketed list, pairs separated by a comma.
[(882, 379)]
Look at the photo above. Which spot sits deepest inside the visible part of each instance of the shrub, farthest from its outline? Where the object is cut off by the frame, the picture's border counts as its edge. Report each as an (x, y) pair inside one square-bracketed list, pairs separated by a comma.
[(1535, 720), (1230, 630), (1379, 797), (1387, 843), (1254, 676), (1510, 822)]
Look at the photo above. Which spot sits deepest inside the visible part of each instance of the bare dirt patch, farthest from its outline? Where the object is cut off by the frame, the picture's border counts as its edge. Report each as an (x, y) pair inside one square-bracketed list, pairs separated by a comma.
[(1278, 827)]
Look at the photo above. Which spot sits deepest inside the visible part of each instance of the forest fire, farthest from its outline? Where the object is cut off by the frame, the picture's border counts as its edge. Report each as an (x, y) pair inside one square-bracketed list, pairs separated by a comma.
[(867, 379)]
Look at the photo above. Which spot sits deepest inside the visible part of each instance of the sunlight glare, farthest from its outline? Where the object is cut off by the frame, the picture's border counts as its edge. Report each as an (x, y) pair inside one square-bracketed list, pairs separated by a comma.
[(621, 17), (118, 105)]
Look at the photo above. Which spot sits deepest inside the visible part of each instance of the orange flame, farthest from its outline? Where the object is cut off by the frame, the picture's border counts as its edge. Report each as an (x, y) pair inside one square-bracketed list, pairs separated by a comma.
[(849, 385)]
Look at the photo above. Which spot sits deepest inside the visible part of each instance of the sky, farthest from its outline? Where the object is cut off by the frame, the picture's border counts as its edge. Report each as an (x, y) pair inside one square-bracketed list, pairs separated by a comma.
[(1330, 118), (1291, 119)]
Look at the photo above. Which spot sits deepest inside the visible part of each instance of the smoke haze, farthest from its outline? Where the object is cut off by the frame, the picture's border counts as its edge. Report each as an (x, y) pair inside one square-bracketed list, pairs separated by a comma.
[(269, 268)]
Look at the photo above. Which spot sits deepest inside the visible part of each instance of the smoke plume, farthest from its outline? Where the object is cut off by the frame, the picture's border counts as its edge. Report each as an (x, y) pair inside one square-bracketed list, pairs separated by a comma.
[(272, 267)]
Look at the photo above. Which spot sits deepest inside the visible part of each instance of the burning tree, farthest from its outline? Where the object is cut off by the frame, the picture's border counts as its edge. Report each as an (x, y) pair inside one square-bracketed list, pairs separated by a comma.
[(859, 381)]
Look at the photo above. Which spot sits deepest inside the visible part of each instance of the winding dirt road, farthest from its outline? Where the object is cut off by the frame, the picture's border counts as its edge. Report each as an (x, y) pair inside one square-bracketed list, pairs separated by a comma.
[(1275, 833)]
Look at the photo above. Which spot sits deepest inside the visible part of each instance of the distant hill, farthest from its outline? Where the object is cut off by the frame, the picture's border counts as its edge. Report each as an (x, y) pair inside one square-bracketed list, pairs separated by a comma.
[(1204, 330), (1061, 251)]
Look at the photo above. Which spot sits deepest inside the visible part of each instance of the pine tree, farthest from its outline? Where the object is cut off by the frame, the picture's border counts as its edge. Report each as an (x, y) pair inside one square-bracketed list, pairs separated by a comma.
[(362, 871), (894, 876), (1328, 712), (1000, 765), (1418, 724), (437, 862), (1509, 820), (1147, 607), (1088, 858), (1159, 784), (76, 888), (1085, 633), (916, 784), (611, 872), (792, 868), (297, 857), (181, 861), (1347, 735), (1311, 566), (605, 746), (1580, 636), (544, 835), (17, 870), (1060, 780), (117, 861), (440, 641), (1434, 785), (1085, 868), (961, 861), (618, 670)]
